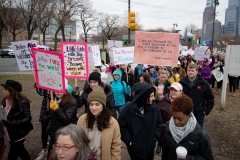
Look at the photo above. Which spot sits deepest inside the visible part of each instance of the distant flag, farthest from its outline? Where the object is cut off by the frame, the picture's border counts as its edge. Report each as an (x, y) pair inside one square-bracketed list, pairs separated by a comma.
[(182, 39), (232, 40), (223, 42), (218, 43), (190, 35)]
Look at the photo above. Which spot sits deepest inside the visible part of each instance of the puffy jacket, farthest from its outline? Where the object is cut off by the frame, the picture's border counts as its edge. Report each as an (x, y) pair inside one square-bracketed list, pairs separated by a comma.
[(128, 77), (164, 106), (205, 71), (119, 90), (167, 85), (141, 130), (82, 100), (20, 118), (201, 95), (62, 116), (197, 144), (179, 71)]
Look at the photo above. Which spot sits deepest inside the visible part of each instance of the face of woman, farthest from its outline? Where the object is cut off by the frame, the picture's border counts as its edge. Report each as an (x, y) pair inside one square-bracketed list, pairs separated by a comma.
[(93, 84), (185, 61), (151, 98), (65, 141), (174, 93), (180, 119), (6, 93), (59, 95), (162, 78), (141, 79), (95, 108)]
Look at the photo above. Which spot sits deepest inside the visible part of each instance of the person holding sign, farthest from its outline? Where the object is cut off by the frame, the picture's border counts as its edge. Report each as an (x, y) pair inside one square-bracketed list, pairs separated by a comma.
[(183, 130), (63, 110), (216, 65), (18, 124)]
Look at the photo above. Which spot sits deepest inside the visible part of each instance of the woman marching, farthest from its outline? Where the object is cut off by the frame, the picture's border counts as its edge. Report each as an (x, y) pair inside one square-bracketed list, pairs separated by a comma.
[(18, 123), (101, 128)]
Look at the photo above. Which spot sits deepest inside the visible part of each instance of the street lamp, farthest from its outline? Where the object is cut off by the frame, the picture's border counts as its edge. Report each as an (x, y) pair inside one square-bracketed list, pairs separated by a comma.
[(214, 15)]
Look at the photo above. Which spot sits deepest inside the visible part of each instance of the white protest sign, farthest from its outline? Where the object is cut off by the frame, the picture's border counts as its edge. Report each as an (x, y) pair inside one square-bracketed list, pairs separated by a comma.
[(217, 74), (184, 48), (234, 60), (199, 53), (96, 56), (49, 70), (90, 60), (22, 51), (185, 53), (111, 45), (123, 55)]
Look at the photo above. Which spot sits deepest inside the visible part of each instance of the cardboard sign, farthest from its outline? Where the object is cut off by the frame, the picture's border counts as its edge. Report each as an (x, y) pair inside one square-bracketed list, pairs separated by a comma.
[(112, 45), (123, 55), (199, 53), (234, 60), (96, 56), (23, 54), (75, 59), (190, 51), (49, 70), (217, 74), (156, 48)]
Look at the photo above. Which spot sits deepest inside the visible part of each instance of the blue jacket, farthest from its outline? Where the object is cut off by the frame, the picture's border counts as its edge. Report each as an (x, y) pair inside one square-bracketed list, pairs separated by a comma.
[(118, 90), (153, 76)]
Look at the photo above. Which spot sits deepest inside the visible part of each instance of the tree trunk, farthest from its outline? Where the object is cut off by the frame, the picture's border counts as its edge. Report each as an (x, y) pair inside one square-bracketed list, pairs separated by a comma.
[(63, 34), (85, 33), (14, 37), (1, 40), (103, 43), (56, 39), (43, 37)]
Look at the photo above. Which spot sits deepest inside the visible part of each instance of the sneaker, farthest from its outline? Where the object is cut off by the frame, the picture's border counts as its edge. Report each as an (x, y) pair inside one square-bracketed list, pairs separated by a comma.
[(41, 155)]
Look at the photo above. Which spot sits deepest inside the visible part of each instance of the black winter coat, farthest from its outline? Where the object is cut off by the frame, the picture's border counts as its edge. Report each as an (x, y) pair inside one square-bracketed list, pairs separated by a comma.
[(20, 120), (201, 95), (197, 144), (141, 130), (62, 116), (1, 137), (166, 86), (130, 78), (110, 104)]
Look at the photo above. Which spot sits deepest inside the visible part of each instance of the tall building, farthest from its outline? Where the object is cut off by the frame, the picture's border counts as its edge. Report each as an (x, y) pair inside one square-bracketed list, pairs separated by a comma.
[(232, 16), (208, 15), (209, 30)]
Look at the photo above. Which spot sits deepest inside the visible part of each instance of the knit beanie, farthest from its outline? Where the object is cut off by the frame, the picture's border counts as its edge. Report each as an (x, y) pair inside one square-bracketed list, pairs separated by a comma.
[(97, 95), (95, 76)]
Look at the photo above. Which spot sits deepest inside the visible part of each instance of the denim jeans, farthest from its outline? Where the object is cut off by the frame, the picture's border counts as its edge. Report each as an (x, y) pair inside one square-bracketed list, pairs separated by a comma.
[(200, 120)]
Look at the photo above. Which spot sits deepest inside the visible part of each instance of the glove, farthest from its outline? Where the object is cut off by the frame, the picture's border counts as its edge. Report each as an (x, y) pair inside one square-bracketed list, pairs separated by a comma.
[(76, 90), (53, 105)]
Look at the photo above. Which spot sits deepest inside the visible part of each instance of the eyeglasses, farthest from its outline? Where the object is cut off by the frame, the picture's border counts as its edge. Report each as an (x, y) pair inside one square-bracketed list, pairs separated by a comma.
[(64, 148)]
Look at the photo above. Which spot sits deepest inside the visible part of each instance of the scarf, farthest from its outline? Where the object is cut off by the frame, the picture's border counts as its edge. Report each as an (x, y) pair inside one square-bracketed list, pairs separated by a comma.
[(178, 133), (140, 70), (58, 101)]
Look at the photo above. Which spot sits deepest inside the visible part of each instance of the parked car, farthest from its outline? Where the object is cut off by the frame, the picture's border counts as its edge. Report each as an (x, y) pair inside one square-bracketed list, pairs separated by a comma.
[(44, 47), (7, 52)]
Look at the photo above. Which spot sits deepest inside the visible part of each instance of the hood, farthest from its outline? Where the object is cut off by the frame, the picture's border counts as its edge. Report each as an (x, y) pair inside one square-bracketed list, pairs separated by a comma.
[(139, 89), (118, 72)]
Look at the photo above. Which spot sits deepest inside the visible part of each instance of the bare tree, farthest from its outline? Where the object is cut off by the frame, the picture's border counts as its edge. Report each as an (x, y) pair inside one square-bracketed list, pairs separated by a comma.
[(87, 17), (3, 14), (109, 25)]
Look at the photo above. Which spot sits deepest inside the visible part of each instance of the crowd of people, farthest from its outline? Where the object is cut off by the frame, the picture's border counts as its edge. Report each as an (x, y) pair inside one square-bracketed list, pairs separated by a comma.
[(150, 109)]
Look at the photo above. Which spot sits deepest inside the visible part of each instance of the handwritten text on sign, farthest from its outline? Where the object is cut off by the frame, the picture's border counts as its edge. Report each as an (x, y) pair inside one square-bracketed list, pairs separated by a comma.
[(123, 55), (156, 48), (48, 70), (75, 59), (22, 51), (199, 53)]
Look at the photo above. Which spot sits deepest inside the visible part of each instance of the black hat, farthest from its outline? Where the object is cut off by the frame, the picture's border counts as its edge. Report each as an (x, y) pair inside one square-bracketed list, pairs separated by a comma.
[(14, 84), (95, 76), (151, 66)]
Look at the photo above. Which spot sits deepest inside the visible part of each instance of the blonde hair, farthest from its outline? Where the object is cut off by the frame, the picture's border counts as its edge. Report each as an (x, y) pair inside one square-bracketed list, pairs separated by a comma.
[(163, 71)]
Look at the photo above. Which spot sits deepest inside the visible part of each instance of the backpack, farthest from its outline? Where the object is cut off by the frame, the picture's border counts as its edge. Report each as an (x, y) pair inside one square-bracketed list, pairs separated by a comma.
[(127, 97)]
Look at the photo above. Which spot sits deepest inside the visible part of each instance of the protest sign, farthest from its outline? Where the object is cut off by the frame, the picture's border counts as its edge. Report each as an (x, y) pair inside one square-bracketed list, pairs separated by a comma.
[(190, 51), (75, 59), (111, 45), (90, 60), (234, 60), (49, 70), (123, 55), (156, 48), (22, 51), (96, 56), (199, 53), (217, 74)]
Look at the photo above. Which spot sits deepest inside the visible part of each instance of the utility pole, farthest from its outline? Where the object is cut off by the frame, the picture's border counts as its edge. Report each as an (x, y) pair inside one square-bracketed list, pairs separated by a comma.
[(128, 27), (216, 3)]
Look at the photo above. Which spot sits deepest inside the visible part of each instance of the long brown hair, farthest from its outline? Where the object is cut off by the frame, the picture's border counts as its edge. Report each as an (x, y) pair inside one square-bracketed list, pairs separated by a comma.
[(65, 99), (15, 96)]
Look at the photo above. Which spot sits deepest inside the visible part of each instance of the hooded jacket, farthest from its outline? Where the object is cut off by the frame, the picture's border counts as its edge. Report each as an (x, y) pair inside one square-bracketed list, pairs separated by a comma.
[(119, 90), (128, 77), (141, 130), (201, 95), (197, 144)]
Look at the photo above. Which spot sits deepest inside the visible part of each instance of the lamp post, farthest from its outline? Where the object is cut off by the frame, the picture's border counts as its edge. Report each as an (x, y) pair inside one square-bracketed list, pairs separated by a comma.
[(216, 3)]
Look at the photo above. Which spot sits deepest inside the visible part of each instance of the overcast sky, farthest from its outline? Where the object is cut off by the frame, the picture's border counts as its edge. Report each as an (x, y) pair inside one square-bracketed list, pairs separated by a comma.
[(162, 13)]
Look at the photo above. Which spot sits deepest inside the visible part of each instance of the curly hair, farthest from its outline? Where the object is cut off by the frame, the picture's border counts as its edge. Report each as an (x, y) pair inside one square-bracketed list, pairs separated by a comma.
[(182, 104)]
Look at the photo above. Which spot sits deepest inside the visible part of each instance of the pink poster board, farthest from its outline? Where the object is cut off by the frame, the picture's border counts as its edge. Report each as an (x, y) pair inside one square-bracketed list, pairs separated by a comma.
[(75, 59), (48, 70), (157, 48)]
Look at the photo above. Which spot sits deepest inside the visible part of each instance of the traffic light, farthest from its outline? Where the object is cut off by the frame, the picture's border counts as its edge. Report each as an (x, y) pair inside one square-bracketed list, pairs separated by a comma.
[(131, 21)]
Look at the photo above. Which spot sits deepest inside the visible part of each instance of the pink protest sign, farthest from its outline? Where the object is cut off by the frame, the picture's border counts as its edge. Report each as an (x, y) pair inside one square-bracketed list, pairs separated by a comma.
[(49, 70), (157, 48), (75, 59)]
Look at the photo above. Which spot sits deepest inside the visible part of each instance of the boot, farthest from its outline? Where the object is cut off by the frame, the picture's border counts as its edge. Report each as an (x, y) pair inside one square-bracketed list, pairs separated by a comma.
[(217, 91), (234, 94), (230, 93), (213, 90), (159, 148)]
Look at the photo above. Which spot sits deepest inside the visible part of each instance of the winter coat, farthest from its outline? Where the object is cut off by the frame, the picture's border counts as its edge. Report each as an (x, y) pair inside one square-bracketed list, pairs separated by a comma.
[(140, 131), (184, 67), (137, 72), (166, 86), (153, 76), (197, 144), (200, 94), (205, 71), (181, 72), (164, 106), (82, 100), (130, 78), (62, 116), (20, 118), (119, 90), (218, 64), (110, 138), (1, 137)]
